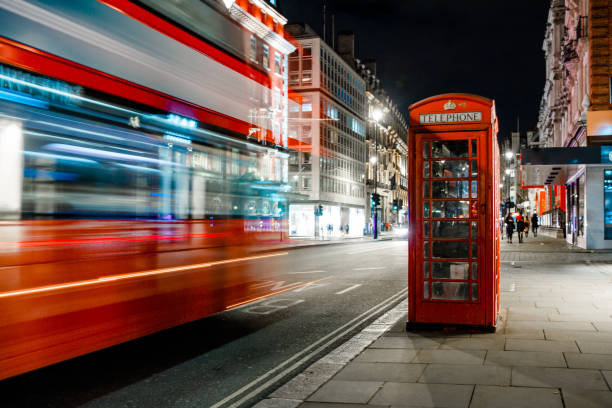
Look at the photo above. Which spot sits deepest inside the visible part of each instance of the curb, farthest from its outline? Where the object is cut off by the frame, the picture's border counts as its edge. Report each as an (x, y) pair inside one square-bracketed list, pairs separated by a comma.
[(322, 243), (303, 385)]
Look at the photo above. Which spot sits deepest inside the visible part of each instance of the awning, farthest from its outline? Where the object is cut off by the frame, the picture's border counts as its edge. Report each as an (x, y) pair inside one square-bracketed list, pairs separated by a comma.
[(554, 165)]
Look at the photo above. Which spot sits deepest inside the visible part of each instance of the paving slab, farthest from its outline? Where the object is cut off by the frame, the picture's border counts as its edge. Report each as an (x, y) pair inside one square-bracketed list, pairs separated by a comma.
[(491, 343), (466, 374), (525, 358), (387, 355), (594, 347), (577, 335), (352, 392), (542, 325), (593, 361), (524, 316), (487, 396), (335, 405), (424, 395), (532, 311), (394, 372), (277, 403), (540, 345), (408, 342), (608, 376), (522, 333), (558, 378), (603, 326), (589, 317), (306, 383), (587, 399), (577, 310), (450, 356)]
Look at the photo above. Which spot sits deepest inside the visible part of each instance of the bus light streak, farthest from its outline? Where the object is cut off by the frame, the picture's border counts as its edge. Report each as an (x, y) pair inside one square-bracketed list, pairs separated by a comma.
[(82, 241), (90, 282)]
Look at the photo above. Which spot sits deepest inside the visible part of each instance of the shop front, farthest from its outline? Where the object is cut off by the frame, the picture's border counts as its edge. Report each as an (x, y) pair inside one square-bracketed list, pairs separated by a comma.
[(574, 192), (325, 221)]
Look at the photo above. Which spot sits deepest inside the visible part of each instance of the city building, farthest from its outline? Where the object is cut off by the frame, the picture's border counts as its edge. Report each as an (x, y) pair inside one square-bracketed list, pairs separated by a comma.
[(386, 144), (387, 153), (173, 110), (571, 166), (329, 123)]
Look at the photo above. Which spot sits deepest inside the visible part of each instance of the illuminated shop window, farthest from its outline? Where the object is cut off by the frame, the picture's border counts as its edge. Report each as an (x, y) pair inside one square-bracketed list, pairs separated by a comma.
[(607, 204)]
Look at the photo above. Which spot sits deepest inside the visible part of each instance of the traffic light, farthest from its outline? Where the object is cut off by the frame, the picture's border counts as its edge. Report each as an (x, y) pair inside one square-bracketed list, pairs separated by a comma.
[(395, 204), (318, 210), (375, 199)]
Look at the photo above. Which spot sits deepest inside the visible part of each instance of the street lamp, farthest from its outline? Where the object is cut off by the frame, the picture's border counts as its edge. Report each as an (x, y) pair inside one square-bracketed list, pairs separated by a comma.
[(509, 154), (508, 171), (376, 115)]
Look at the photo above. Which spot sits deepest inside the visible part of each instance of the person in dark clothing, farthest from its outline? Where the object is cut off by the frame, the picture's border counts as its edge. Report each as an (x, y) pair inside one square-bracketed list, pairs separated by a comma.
[(520, 228), (534, 224), (509, 227)]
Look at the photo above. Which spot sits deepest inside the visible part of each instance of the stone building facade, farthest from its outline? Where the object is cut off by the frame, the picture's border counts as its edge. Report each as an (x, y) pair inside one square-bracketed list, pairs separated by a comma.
[(576, 111), (386, 143)]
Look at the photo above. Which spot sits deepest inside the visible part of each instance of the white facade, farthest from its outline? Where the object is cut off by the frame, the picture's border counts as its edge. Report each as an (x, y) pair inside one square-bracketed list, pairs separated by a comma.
[(328, 162)]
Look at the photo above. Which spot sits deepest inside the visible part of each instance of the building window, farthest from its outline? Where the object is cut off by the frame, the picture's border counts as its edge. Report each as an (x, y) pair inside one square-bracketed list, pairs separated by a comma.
[(253, 50), (307, 51), (266, 57), (277, 63)]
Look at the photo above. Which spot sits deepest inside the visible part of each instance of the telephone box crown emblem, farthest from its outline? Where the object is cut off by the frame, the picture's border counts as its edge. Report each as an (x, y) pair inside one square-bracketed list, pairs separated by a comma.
[(450, 105)]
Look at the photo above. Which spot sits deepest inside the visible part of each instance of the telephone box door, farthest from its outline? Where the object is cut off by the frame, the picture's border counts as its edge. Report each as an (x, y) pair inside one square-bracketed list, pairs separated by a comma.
[(451, 226)]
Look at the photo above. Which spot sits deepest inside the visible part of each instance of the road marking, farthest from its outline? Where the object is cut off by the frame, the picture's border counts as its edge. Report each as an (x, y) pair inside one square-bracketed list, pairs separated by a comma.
[(370, 268), (272, 306), (297, 273), (260, 384), (311, 285), (273, 293), (113, 278), (348, 289)]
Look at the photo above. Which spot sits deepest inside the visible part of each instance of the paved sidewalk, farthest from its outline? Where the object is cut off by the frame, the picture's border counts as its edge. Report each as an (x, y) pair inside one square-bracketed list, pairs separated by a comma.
[(553, 347)]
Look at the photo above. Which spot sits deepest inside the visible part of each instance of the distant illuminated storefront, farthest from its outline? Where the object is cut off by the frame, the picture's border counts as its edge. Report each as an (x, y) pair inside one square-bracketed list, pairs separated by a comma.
[(574, 185), (333, 222)]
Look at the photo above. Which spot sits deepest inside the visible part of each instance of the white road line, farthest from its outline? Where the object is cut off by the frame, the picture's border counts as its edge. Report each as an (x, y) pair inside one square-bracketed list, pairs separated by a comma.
[(297, 273), (348, 289), (260, 384), (370, 268)]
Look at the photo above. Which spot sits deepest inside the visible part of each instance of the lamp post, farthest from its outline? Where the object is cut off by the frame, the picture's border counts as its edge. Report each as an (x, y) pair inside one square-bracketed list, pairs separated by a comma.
[(376, 115)]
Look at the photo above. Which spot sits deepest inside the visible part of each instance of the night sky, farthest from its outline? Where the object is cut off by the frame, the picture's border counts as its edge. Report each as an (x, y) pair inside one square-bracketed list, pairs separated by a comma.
[(427, 47)]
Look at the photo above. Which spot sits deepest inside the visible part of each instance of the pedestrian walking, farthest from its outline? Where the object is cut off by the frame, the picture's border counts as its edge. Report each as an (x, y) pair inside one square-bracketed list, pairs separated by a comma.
[(534, 224), (509, 228), (520, 228), (526, 227)]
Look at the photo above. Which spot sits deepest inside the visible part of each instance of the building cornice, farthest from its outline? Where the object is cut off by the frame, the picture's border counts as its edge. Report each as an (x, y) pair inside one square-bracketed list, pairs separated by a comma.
[(260, 29)]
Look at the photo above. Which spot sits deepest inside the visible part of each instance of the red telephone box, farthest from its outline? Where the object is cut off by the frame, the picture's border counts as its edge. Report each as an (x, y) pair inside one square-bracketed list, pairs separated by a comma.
[(453, 245)]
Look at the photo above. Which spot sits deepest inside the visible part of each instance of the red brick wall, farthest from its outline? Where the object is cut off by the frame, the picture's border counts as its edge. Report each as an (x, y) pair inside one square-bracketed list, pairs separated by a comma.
[(600, 27)]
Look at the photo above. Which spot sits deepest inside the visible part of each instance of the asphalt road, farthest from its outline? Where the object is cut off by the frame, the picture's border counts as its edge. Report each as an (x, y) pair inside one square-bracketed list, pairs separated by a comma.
[(236, 357)]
